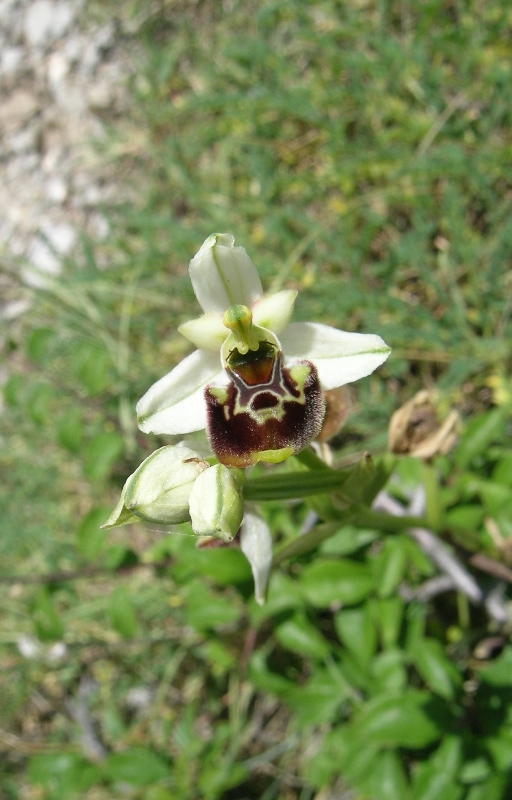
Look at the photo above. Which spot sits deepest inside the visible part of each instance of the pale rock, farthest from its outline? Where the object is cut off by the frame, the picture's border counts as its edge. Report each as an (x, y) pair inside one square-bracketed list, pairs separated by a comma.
[(98, 226), (56, 190), (17, 110), (56, 652), (28, 646), (73, 48), (21, 165), (99, 95), (51, 158), (25, 140), (46, 21), (10, 60), (61, 236), (42, 258), (14, 309), (94, 48), (138, 697), (58, 68)]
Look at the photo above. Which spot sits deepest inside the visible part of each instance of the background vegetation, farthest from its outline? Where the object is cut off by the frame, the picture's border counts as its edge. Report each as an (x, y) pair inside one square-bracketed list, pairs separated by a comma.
[(360, 152)]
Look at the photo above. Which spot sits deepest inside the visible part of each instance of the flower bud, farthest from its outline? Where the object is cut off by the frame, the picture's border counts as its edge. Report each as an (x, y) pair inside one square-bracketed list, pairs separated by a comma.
[(216, 502), (159, 490)]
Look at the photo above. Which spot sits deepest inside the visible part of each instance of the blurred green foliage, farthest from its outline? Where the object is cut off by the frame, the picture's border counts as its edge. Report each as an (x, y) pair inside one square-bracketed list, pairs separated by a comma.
[(359, 152)]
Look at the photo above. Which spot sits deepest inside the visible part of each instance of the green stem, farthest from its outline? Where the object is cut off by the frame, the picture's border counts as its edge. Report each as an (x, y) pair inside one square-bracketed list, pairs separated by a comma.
[(308, 541), (365, 517), (291, 485)]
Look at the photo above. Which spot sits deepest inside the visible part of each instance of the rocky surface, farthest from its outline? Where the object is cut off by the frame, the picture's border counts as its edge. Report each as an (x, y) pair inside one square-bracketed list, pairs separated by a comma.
[(63, 73)]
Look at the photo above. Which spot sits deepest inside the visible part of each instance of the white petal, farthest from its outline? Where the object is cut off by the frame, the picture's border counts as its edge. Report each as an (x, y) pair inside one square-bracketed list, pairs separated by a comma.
[(273, 311), (175, 403), (207, 332), (340, 357), (256, 545), (223, 275)]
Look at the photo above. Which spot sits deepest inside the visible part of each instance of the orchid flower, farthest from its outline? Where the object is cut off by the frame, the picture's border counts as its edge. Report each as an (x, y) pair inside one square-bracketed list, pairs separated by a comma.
[(256, 381)]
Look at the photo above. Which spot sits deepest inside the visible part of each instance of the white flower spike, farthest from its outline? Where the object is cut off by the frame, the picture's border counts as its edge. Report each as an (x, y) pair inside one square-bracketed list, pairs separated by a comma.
[(259, 396)]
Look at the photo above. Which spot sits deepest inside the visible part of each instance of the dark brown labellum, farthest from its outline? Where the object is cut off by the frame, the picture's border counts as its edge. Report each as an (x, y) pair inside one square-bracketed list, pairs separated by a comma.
[(267, 412)]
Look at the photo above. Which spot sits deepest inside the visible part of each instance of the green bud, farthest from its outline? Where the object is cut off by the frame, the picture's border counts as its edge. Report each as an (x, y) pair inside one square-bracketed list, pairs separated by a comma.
[(216, 502), (159, 490), (120, 515)]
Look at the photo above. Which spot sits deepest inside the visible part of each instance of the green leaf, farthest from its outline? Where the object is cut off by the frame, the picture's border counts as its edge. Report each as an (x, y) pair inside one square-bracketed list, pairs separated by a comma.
[(434, 508), (385, 779), (465, 517), (317, 701), (310, 540), (475, 771), (39, 344), (502, 472), (438, 672), (89, 537), (70, 430), (38, 403), (503, 519), (63, 774), (91, 364), (499, 673), (344, 581), (384, 466), (400, 720), (122, 615), (390, 566), (118, 555), (328, 759), (388, 672), (100, 454), (205, 609), (136, 766), (47, 623), (480, 432), (224, 565), (356, 631), (13, 389), (495, 788), (300, 636), (265, 679), (500, 749), (158, 793), (219, 774), (348, 540), (220, 658), (494, 495), (358, 482), (435, 778), (283, 594), (388, 615)]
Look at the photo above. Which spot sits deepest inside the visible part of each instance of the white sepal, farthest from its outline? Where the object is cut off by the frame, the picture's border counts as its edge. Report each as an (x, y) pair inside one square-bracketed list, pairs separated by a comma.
[(175, 404), (256, 545), (339, 356), (216, 502), (223, 275)]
